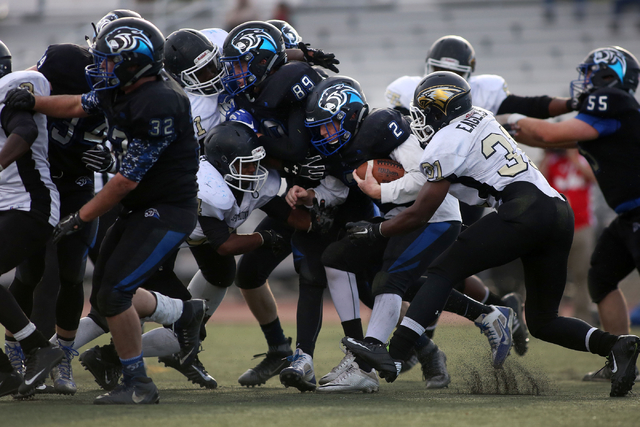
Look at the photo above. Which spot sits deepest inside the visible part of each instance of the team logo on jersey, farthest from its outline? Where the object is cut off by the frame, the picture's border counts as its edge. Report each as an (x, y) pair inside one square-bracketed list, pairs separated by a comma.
[(127, 39), (152, 213), (438, 97), (335, 97), (254, 38), (614, 59), (83, 180)]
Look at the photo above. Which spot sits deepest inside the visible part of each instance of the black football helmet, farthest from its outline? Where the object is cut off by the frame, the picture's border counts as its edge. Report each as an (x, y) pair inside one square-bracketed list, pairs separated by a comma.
[(610, 66), (233, 149), (194, 62), (334, 110), (134, 46), (250, 52), (5, 60), (451, 53), (439, 98), (112, 16), (289, 34)]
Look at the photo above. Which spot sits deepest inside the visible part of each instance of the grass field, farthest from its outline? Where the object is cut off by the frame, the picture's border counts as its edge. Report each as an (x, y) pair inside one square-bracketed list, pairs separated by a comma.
[(545, 390)]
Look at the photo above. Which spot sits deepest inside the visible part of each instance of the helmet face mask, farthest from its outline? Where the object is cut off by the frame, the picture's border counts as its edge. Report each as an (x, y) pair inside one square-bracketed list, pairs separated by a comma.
[(124, 51), (250, 52), (232, 148), (194, 61), (438, 99), (5, 60), (605, 67), (451, 53), (334, 111)]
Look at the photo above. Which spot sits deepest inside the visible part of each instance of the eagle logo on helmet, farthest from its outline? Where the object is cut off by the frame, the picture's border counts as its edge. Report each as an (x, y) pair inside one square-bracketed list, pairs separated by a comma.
[(253, 38), (127, 39), (613, 59), (439, 97), (335, 97)]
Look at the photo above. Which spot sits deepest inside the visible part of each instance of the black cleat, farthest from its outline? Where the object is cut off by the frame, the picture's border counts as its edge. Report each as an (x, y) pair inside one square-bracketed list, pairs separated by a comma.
[(195, 371), (622, 362), (39, 362), (375, 355), (520, 334), (9, 383), (105, 371), (188, 333), (274, 362), (434, 366), (137, 391)]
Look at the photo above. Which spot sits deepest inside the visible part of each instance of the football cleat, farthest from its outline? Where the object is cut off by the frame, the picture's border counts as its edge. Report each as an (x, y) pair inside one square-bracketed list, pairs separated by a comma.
[(377, 356), (352, 380), (62, 375), (520, 333), (434, 366), (137, 391), (604, 375), (339, 369), (105, 370), (9, 383), (40, 361), (622, 362), (410, 363), (195, 371), (274, 362), (497, 327), (14, 352), (299, 373), (188, 333)]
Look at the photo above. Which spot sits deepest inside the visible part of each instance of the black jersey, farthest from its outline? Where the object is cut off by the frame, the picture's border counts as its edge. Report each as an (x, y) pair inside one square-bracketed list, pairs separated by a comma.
[(614, 155), (278, 110), (151, 129), (63, 65), (381, 132)]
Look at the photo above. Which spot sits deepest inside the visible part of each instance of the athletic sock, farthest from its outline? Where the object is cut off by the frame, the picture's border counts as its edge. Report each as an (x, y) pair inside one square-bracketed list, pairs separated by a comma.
[(133, 368), (353, 329), (273, 333)]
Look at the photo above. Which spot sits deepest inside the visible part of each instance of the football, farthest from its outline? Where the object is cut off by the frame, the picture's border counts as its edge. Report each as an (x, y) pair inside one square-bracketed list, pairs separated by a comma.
[(384, 170)]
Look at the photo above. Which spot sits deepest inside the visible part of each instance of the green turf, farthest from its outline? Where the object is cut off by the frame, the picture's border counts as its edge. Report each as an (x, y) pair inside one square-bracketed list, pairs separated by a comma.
[(547, 381)]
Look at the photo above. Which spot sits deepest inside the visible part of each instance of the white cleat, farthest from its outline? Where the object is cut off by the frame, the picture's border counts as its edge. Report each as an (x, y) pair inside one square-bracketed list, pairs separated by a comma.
[(353, 380)]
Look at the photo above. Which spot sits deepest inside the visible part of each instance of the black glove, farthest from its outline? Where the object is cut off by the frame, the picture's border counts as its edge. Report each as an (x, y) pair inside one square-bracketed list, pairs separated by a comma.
[(319, 57), (67, 225), (272, 239), (99, 159), (363, 232), (20, 99), (511, 129), (321, 217), (311, 168)]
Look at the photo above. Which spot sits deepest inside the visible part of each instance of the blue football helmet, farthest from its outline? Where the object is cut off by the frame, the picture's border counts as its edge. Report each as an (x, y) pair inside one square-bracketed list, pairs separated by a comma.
[(334, 110)]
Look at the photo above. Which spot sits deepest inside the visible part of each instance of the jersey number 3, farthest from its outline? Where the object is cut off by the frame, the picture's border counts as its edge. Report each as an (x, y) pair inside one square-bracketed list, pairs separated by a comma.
[(515, 163)]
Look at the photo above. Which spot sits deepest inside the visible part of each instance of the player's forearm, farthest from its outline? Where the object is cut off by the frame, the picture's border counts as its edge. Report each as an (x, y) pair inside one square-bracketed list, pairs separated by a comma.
[(113, 192), (61, 106), (13, 149), (238, 244)]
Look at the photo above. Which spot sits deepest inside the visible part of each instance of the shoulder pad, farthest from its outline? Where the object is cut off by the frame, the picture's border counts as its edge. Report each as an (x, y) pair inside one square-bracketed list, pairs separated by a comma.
[(212, 189), (608, 103), (34, 81), (290, 83), (399, 93)]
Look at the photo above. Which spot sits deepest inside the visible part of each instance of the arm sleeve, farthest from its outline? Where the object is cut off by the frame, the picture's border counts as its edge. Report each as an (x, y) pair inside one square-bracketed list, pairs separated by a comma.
[(217, 231), (530, 106), (277, 208), (21, 123)]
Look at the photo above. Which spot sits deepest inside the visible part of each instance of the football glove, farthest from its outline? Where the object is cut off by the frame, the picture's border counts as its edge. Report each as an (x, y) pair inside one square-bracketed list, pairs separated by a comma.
[(363, 232), (319, 57), (311, 168), (19, 99), (67, 225), (99, 159), (272, 239), (321, 217)]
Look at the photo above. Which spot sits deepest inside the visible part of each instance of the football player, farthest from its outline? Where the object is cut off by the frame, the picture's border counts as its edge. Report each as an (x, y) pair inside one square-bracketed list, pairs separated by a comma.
[(606, 130), (346, 132), (29, 209), (532, 222), (151, 130)]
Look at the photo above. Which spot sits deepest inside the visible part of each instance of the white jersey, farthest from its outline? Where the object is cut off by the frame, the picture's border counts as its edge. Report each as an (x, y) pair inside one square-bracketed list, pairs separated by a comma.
[(26, 183), (205, 113), (487, 91), (480, 159), (215, 36), (217, 200)]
